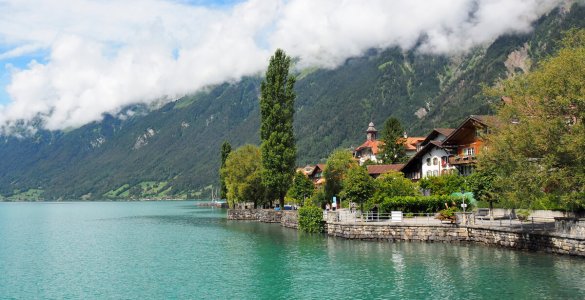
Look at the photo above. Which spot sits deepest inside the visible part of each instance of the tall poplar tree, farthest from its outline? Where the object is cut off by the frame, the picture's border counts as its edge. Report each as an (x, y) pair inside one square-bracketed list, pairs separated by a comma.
[(226, 148), (276, 129)]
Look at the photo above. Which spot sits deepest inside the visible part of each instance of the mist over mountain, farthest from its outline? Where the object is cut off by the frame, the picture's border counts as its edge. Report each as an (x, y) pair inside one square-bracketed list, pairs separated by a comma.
[(173, 150), (91, 58)]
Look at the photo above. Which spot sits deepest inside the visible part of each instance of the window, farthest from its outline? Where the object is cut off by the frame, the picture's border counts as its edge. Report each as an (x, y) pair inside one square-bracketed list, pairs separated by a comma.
[(435, 161), (428, 161), (469, 151), (429, 173), (435, 173), (444, 161)]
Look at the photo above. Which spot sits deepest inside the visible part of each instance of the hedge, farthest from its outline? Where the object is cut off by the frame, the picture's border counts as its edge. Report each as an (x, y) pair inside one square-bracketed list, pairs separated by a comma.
[(420, 204)]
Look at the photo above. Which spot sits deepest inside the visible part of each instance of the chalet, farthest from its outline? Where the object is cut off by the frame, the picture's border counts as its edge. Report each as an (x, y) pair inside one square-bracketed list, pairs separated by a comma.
[(431, 157), (316, 175), (466, 142), (431, 160), (446, 150)]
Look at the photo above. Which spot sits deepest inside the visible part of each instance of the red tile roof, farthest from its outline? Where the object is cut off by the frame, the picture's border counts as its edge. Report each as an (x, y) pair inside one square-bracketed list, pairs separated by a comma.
[(411, 142), (374, 145)]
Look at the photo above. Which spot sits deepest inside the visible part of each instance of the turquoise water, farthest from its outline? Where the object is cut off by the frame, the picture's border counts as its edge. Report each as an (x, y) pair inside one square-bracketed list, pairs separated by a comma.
[(167, 250)]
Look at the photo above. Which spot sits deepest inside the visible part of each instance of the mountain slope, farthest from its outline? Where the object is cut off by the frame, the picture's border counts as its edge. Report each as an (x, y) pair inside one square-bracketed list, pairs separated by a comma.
[(173, 151)]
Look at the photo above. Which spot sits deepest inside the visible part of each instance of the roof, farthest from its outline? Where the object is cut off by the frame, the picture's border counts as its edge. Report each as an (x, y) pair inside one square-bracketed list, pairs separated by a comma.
[(375, 145), (433, 135), (473, 121), (411, 142), (487, 120), (316, 168), (381, 169), (444, 131)]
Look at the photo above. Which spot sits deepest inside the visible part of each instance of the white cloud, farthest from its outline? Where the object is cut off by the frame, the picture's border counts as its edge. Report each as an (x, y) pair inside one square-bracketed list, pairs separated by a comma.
[(105, 55)]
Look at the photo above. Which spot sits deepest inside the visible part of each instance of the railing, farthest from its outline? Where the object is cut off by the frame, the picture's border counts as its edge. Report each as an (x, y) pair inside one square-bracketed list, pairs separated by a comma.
[(509, 221), (472, 219), (393, 217)]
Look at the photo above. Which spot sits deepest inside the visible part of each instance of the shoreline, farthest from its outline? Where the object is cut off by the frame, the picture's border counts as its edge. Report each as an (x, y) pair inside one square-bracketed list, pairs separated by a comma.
[(524, 239)]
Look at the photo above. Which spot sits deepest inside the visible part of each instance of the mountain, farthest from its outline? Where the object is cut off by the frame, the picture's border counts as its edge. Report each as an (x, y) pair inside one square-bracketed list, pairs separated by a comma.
[(173, 151)]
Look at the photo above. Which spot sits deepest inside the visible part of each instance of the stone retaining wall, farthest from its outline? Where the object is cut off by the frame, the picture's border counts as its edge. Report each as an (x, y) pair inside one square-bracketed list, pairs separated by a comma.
[(290, 219), (243, 214), (287, 218), (551, 242), (398, 232), (509, 238)]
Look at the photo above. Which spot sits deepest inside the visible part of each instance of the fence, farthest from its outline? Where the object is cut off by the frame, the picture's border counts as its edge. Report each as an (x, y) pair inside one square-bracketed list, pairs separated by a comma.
[(470, 219), (368, 217)]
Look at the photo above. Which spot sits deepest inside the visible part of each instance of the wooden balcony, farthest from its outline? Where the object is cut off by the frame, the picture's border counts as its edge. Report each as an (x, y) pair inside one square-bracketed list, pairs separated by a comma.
[(462, 160)]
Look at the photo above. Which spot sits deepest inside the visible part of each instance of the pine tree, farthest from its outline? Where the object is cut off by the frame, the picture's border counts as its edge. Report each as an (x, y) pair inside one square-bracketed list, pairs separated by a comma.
[(276, 129), (392, 136)]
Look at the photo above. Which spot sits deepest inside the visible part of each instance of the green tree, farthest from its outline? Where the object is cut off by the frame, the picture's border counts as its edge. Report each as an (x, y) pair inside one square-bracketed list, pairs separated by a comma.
[(393, 184), (446, 184), (358, 186), (536, 149), (276, 128), (243, 176), (481, 183), (338, 163), (301, 188), (393, 137), (226, 148)]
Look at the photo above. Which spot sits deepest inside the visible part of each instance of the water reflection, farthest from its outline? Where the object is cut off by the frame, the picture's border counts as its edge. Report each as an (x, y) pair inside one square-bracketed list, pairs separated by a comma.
[(178, 250)]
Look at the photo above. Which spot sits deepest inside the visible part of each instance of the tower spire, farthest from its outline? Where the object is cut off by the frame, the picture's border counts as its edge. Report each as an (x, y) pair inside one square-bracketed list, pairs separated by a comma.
[(371, 132)]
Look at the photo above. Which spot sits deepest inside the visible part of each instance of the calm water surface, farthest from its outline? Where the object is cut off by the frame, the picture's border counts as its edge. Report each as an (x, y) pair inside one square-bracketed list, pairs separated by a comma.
[(166, 250)]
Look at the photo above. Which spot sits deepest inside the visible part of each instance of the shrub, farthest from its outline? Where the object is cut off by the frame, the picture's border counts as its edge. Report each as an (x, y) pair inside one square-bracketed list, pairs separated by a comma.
[(522, 214), (311, 219), (444, 184), (420, 204), (448, 214)]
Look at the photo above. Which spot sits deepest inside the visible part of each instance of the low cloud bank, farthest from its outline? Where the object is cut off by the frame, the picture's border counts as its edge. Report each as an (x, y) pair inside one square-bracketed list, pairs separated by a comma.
[(105, 55)]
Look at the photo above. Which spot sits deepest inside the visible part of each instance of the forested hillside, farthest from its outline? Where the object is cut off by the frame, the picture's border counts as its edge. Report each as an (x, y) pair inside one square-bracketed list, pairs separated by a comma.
[(173, 151)]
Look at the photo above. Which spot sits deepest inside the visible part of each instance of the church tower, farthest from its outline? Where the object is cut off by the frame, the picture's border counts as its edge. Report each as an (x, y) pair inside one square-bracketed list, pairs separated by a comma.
[(371, 132)]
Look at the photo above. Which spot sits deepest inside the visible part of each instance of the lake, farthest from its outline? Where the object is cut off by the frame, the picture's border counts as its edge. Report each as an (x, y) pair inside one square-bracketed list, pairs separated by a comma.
[(169, 250)]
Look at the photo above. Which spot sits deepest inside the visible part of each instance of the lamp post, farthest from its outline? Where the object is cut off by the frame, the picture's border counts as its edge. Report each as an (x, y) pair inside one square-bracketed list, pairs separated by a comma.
[(463, 205)]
